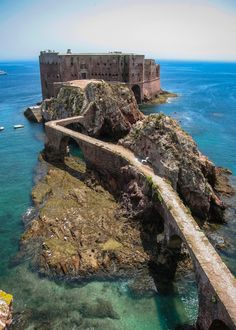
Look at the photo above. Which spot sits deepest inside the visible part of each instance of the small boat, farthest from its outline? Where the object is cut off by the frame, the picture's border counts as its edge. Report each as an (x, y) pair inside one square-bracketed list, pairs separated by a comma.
[(1, 128), (2, 73), (18, 126)]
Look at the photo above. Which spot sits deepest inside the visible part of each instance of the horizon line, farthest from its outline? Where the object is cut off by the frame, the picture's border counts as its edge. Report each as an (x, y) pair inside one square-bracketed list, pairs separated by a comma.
[(207, 60)]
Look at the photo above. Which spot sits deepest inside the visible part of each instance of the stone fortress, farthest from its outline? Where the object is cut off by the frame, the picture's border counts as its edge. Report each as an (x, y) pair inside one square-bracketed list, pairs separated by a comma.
[(140, 74)]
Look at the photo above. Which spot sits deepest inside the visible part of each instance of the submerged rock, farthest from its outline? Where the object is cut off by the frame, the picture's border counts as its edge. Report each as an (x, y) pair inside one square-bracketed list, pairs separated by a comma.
[(161, 97), (160, 141), (5, 309), (99, 309), (109, 110)]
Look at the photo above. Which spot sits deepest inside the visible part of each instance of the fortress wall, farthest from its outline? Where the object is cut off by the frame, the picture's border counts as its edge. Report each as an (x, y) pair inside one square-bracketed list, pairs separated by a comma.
[(106, 67), (151, 70), (115, 67), (151, 88), (49, 72), (136, 67)]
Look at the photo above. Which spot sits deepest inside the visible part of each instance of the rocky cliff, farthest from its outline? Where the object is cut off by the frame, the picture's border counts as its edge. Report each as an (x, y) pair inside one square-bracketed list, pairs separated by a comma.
[(160, 141), (109, 110)]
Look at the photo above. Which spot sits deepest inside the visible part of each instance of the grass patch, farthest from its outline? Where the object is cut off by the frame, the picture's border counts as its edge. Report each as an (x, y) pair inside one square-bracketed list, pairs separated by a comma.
[(111, 244)]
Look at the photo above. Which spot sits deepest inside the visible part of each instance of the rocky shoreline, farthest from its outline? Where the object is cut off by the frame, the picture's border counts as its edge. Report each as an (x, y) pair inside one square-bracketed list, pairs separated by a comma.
[(161, 98)]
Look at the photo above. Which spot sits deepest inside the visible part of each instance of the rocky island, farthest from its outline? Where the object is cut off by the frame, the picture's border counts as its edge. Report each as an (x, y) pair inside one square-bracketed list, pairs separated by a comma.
[(91, 224), (75, 234)]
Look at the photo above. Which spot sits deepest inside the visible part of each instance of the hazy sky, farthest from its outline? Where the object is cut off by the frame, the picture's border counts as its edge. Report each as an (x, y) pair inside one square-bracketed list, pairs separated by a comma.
[(179, 29)]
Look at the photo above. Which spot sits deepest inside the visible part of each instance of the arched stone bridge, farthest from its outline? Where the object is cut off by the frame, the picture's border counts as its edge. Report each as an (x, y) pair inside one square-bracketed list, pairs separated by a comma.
[(216, 284)]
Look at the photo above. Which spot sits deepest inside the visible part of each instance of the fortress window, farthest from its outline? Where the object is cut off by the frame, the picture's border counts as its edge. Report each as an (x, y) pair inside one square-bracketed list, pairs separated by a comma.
[(58, 76), (84, 75)]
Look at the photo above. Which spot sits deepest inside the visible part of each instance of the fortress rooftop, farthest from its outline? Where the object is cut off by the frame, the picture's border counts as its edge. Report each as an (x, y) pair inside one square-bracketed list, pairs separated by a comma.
[(69, 52)]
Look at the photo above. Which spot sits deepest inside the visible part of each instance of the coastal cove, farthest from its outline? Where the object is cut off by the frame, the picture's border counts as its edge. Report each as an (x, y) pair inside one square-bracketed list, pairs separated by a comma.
[(204, 111)]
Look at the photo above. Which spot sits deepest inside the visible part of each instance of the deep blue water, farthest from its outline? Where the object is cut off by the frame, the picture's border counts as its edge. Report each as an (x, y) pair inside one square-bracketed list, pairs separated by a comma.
[(206, 108)]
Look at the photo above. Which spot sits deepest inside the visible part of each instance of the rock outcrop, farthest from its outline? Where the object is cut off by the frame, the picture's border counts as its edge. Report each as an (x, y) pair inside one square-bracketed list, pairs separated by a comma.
[(5, 309), (34, 114), (80, 231), (161, 97), (159, 140), (109, 110), (68, 103)]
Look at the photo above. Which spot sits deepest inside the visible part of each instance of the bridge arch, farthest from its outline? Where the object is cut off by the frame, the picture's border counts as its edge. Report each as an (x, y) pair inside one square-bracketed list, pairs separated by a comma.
[(137, 93), (63, 146), (174, 252), (69, 146), (175, 243)]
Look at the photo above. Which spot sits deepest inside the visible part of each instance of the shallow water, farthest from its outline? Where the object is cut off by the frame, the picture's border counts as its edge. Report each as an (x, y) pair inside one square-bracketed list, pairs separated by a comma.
[(205, 109)]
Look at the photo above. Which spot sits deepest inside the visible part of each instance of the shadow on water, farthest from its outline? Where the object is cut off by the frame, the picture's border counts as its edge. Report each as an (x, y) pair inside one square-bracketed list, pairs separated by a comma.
[(168, 276)]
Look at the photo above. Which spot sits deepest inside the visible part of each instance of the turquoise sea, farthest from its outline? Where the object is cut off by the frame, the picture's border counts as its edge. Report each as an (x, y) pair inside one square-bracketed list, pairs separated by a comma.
[(206, 108)]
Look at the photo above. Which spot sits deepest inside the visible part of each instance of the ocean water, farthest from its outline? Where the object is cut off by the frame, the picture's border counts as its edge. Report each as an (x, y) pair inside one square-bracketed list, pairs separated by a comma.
[(205, 107)]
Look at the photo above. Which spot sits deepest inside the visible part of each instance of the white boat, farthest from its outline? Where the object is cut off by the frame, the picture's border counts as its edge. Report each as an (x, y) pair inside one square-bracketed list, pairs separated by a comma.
[(1, 128), (2, 73), (18, 126)]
